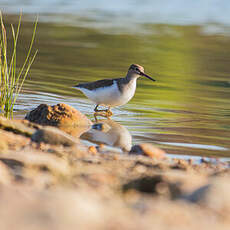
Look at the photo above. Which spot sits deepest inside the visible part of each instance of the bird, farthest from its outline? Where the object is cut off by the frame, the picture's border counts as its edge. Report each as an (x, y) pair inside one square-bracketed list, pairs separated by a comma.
[(113, 92)]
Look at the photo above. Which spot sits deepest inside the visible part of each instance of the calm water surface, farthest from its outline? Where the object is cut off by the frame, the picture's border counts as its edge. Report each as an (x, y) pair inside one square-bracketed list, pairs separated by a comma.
[(187, 110)]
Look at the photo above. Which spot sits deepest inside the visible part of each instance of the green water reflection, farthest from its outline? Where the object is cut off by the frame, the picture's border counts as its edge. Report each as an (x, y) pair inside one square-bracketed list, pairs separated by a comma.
[(189, 103)]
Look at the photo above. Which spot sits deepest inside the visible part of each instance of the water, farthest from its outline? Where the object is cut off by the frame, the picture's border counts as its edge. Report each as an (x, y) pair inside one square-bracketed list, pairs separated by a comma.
[(187, 110)]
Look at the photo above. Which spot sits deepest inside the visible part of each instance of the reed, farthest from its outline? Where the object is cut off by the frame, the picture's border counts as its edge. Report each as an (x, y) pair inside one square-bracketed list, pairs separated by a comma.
[(12, 78)]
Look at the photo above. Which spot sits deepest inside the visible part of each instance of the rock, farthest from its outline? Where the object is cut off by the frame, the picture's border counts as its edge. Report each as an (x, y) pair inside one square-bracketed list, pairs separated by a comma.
[(214, 195), (57, 115), (53, 136), (181, 164), (11, 141), (198, 195), (15, 166), (29, 124), (155, 185), (92, 150), (63, 116), (16, 126), (147, 150)]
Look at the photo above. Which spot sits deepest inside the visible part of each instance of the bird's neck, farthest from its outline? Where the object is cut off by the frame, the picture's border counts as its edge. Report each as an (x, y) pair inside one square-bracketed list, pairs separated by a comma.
[(130, 81), (127, 82), (131, 78)]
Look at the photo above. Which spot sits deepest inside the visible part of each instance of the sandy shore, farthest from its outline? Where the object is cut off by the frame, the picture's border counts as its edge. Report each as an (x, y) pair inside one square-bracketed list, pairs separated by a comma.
[(67, 185)]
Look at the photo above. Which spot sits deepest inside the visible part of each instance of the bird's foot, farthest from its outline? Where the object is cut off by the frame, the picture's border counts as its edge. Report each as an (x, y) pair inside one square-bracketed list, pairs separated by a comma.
[(109, 113), (103, 113)]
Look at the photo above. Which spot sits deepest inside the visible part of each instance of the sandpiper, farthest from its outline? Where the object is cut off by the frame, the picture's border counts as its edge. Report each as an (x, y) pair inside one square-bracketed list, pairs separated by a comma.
[(113, 92)]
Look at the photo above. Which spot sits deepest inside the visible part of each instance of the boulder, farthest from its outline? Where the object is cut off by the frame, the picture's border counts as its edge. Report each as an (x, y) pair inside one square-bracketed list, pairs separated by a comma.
[(63, 116)]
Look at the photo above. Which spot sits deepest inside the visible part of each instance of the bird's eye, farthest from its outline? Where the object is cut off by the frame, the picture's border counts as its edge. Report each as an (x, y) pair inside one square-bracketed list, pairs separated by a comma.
[(137, 69)]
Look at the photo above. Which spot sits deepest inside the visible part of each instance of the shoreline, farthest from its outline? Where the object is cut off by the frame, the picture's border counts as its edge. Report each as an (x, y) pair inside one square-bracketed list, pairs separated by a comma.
[(51, 177)]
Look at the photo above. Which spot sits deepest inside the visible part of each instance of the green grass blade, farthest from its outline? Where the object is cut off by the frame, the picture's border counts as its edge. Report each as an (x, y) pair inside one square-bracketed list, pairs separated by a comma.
[(10, 82)]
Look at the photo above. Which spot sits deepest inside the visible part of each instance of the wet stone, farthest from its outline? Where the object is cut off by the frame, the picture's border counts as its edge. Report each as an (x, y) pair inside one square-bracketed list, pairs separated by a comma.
[(181, 165), (53, 136), (63, 116), (147, 150), (57, 115)]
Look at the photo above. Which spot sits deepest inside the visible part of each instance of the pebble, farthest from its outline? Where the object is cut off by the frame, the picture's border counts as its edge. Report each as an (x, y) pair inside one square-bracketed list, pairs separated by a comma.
[(147, 150), (92, 150)]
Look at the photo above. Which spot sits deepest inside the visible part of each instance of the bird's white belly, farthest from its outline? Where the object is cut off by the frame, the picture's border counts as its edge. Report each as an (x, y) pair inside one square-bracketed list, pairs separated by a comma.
[(111, 95)]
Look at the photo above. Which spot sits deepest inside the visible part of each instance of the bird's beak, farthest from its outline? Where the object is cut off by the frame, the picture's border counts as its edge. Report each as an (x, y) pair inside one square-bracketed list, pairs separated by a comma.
[(145, 75)]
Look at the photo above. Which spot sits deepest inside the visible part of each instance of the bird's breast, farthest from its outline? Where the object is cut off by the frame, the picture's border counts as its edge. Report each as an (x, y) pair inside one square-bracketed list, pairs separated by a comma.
[(129, 90)]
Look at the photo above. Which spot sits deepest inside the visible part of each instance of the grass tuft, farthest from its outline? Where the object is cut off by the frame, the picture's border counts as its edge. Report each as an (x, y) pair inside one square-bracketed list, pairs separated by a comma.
[(11, 78)]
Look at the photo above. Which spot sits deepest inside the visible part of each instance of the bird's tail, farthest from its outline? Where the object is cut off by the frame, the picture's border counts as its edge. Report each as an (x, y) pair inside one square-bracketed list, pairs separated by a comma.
[(78, 86)]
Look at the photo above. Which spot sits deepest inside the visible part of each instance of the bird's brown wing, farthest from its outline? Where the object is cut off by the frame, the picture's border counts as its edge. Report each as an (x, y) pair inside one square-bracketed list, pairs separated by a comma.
[(96, 84)]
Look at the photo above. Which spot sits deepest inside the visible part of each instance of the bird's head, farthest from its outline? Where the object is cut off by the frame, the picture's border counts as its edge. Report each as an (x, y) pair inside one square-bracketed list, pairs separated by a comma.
[(136, 70)]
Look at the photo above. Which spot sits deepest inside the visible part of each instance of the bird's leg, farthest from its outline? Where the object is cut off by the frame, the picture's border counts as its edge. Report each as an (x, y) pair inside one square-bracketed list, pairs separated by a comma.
[(95, 116), (95, 109), (109, 112), (99, 110)]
